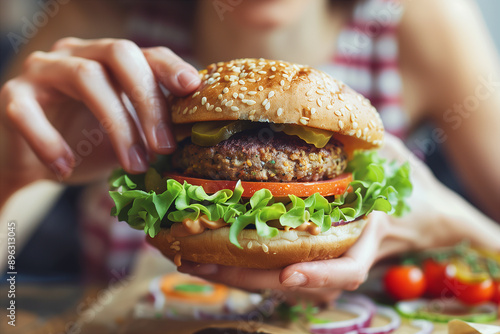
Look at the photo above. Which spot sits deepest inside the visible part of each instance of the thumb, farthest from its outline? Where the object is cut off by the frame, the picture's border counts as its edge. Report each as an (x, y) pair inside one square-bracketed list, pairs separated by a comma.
[(347, 272)]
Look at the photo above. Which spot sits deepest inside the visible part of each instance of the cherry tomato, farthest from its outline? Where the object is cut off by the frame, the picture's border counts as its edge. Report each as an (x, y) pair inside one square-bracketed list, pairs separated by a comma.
[(435, 276), (405, 282), (472, 293), (496, 292), (331, 187)]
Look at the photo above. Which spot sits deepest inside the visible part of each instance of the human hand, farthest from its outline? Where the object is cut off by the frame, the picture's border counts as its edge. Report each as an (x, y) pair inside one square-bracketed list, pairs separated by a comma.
[(65, 115), (438, 218)]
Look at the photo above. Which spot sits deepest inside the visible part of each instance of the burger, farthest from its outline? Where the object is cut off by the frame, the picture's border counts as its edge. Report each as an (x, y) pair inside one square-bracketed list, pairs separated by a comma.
[(275, 165)]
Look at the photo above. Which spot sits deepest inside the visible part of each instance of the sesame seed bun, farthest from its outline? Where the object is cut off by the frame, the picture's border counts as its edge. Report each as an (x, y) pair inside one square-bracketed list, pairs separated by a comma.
[(213, 246), (279, 92)]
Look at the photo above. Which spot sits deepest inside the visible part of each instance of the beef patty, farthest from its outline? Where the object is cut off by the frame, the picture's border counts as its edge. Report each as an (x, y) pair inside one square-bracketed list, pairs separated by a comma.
[(262, 155)]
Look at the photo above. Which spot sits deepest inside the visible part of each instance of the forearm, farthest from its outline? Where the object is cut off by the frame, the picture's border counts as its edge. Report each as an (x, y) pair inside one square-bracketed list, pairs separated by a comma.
[(445, 223)]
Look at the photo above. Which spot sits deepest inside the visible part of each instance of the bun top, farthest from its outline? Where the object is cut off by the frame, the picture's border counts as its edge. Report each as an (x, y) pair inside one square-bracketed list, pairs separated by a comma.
[(275, 91)]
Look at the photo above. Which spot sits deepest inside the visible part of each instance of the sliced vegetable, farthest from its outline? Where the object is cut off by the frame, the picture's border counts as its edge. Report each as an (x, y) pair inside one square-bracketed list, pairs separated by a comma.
[(405, 282), (336, 186), (426, 327), (316, 137), (362, 306), (444, 310), (394, 322), (212, 133)]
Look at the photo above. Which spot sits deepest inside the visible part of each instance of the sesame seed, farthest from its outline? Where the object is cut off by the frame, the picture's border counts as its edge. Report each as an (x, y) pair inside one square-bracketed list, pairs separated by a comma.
[(241, 82), (219, 69), (318, 101), (365, 130), (341, 124), (348, 106), (353, 117), (285, 76), (271, 94), (261, 88), (252, 92), (196, 94), (265, 248), (272, 76), (251, 80), (279, 112), (310, 99), (243, 88), (329, 107), (203, 100), (282, 82), (211, 107), (268, 105), (309, 92), (216, 75), (241, 96), (219, 97), (262, 72), (185, 111), (304, 120), (225, 90), (235, 108), (313, 111), (226, 77), (207, 106), (210, 81), (229, 103), (224, 101), (195, 108), (354, 125), (320, 92), (250, 102), (341, 97), (252, 112), (273, 68), (265, 102), (233, 78), (218, 109), (358, 133), (235, 95), (234, 83), (338, 113)]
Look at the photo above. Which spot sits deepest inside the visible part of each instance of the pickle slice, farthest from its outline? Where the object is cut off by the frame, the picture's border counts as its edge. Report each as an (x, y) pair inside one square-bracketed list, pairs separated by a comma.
[(316, 137), (212, 133)]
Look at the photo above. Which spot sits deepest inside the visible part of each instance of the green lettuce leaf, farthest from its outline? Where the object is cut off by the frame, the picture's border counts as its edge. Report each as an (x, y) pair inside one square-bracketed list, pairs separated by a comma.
[(377, 186)]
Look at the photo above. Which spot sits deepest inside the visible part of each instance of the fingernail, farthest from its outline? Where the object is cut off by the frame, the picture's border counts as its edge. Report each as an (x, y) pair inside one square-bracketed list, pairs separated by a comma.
[(137, 159), (61, 167), (296, 279), (187, 78), (164, 137)]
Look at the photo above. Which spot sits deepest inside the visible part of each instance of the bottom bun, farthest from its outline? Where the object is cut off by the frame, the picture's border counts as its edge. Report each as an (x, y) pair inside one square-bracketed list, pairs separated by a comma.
[(213, 246)]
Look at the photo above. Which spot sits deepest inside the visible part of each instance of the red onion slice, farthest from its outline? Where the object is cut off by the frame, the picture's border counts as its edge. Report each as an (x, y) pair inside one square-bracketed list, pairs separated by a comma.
[(425, 326), (395, 322), (362, 306)]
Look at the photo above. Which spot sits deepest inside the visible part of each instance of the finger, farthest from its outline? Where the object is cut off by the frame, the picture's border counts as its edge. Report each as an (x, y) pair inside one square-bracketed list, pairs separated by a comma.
[(179, 77), (87, 81), (243, 278), (25, 114), (132, 71), (346, 272)]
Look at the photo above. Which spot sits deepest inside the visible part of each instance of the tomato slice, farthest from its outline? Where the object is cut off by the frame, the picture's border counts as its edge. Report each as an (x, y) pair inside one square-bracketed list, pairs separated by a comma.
[(331, 187)]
